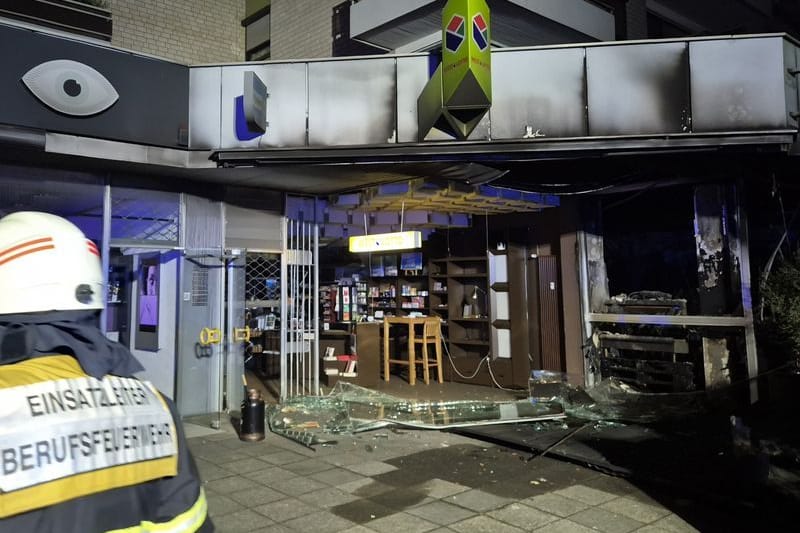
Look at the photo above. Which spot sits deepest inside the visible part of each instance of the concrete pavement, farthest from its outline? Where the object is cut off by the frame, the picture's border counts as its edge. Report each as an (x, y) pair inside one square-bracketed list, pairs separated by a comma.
[(406, 481)]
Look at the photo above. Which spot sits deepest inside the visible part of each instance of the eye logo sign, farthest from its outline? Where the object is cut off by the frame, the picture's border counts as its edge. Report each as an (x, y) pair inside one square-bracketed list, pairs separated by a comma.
[(480, 31), (454, 33), (70, 87)]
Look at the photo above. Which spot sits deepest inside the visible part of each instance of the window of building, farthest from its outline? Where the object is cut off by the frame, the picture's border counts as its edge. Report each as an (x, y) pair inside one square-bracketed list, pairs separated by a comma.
[(90, 18), (257, 35), (343, 45)]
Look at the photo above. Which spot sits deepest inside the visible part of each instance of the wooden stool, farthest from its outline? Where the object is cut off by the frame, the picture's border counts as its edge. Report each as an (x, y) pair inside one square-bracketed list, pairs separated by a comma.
[(431, 334), (388, 360)]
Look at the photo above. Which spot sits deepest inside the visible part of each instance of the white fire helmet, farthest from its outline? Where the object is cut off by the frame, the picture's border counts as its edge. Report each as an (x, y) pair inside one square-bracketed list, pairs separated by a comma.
[(47, 264)]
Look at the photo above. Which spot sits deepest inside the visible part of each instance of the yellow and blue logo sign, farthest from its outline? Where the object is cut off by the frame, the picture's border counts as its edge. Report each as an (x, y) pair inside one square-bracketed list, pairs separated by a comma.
[(454, 33), (480, 31)]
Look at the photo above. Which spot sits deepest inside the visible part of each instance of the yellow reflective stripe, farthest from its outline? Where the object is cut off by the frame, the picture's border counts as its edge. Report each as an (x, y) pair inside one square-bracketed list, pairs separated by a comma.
[(68, 488), (40, 369), (189, 520)]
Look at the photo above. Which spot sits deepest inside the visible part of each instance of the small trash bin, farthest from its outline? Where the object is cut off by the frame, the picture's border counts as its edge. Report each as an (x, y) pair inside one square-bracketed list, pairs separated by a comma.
[(253, 417)]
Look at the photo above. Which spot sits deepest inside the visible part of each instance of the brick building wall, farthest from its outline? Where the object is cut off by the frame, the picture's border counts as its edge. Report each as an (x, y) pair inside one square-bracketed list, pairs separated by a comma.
[(186, 31), (301, 29)]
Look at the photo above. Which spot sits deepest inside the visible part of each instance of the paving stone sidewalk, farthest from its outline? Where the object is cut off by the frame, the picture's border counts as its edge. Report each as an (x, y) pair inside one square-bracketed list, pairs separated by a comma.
[(412, 481)]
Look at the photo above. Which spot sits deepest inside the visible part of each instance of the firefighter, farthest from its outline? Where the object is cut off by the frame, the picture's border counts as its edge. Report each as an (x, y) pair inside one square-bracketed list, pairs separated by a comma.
[(84, 446)]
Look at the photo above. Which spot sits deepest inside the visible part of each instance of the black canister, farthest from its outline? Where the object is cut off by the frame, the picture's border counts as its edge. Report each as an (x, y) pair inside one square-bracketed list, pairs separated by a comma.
[(252, 417)]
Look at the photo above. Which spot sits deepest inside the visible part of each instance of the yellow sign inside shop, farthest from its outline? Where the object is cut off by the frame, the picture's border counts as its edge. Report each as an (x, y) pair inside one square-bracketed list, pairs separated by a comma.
[(384, 242)]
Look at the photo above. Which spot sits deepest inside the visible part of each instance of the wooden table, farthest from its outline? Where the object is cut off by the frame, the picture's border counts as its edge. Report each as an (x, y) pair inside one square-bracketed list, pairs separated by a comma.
[(411, 322)]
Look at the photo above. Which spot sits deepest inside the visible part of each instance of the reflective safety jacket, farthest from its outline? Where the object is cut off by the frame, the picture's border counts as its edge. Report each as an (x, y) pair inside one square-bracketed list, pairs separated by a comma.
[(78, 454)]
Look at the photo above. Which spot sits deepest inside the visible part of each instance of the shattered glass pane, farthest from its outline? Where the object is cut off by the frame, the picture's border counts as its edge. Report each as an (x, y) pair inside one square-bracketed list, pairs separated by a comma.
[(612, 401), (547, 385), (553, 405), (350, 409), (615, 401)]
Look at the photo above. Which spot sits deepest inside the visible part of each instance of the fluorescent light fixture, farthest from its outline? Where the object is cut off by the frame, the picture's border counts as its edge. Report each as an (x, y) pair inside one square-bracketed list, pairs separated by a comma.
[(384, 242)]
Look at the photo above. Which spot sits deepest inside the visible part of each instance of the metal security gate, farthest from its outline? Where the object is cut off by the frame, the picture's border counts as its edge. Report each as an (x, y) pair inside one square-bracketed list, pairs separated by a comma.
[(262, 314), (299, 310), (235, 333)]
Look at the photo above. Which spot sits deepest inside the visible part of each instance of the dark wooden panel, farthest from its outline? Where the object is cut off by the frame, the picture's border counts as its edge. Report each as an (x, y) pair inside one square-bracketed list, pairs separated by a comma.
[(520, 348), (549, 316), (368, 347), (532, 301)]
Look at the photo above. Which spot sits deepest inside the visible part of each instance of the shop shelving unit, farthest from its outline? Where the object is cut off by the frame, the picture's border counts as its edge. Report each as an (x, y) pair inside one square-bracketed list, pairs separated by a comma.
[(412, 290), (468, 318), (397, 292), (437, 290), (481, 302), (382, 295)]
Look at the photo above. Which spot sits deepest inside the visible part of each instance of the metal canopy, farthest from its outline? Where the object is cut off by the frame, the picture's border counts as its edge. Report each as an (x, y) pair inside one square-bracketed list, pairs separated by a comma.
[(558, 101), (341, 125), (498, 152), (313, 171)]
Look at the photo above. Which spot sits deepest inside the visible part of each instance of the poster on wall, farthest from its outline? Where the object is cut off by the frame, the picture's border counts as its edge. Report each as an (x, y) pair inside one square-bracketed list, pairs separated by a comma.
[(390, 265), (411, 261), (148, 295), (149, 286)]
